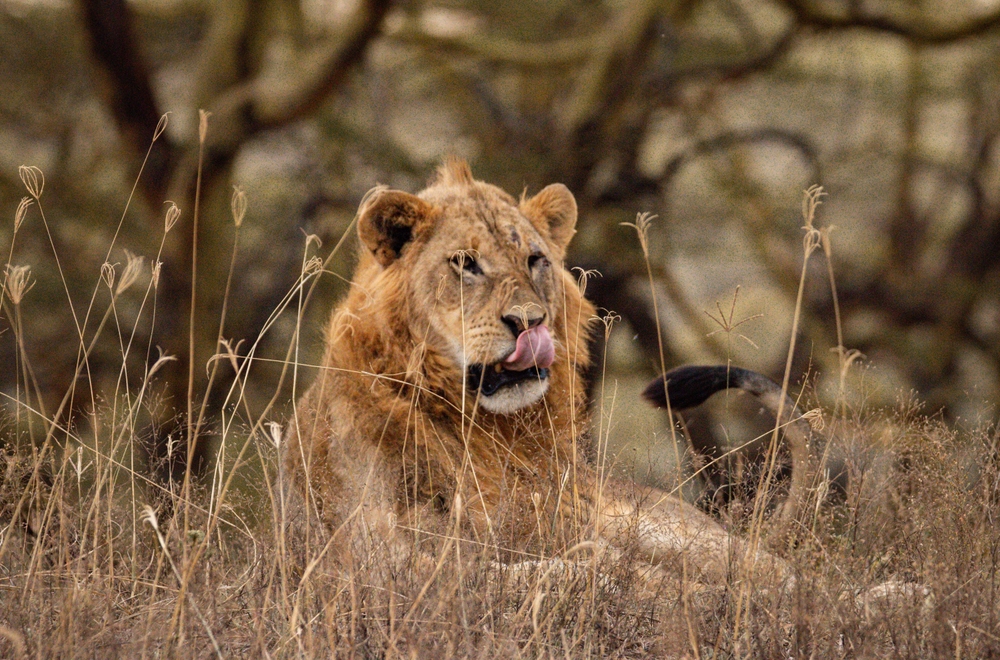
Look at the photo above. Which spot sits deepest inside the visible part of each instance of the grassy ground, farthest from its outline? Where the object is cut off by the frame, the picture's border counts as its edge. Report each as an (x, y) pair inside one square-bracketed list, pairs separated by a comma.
[(99, 559), (87, 570)]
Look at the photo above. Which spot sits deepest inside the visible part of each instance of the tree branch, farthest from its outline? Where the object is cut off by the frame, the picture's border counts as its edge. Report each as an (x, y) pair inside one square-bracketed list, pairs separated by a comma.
[(604, 87), (126, 86), (916, 31), (268, 101), (734, 70), (498, 50), (731, 139), (307, 88), (974, 249)]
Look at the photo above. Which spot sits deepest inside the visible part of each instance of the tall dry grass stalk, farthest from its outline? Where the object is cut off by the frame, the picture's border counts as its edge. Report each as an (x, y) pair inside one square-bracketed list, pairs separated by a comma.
[(810, 242), (89, 567)]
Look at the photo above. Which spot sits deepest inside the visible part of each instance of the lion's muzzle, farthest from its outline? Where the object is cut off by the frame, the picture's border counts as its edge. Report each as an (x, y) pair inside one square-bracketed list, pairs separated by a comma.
[(533, 354)]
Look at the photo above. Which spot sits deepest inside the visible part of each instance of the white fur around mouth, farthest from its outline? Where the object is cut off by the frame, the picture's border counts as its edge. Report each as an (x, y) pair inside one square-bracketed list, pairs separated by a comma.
[(503, 392)]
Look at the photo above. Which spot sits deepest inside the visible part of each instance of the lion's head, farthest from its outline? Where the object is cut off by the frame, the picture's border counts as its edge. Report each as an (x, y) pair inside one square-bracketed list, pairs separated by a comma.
[(484, 277)]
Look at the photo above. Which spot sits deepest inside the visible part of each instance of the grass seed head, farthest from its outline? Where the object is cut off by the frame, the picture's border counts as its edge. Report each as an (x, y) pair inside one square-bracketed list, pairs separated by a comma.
[(160, 361), (583, 276), (313, 266), (203, 116), (108, 275), (811, 199), (19, 282), (173, 213), (33, 179), (149, 517), (815, 419), (22, 210), (161, 126), (608, 321), (132, 267), (156, 273), (641, 226), (238, 205), (274, 428)]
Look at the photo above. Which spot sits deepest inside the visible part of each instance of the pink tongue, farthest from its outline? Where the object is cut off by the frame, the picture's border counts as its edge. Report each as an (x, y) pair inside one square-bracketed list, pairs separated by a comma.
[(534, 348)]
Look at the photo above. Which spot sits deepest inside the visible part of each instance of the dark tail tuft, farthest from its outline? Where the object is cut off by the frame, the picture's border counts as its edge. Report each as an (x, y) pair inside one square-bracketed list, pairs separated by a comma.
[(690, 386)]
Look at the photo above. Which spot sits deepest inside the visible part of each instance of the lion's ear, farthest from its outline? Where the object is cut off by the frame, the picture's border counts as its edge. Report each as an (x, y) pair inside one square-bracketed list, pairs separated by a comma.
[(388, 220), (553, 211)]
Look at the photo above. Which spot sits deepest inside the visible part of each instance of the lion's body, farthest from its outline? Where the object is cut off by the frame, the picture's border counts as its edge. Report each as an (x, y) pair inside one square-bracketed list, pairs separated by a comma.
[(394, 432)]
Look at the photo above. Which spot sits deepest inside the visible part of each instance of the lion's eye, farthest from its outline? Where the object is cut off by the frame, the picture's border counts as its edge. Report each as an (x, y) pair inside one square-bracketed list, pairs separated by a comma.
[(462, 261), (537, 260)]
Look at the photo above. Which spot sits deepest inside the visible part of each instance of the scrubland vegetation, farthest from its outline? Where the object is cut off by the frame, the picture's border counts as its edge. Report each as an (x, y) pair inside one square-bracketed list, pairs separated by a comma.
[(143, 394), (104, 553)]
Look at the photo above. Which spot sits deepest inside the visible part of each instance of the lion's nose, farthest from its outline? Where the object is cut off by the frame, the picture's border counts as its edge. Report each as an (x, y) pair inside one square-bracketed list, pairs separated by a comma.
[(518, 323)]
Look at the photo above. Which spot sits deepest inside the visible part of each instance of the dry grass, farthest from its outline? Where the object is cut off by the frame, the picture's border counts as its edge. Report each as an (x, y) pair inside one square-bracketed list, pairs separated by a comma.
[(97, 559)]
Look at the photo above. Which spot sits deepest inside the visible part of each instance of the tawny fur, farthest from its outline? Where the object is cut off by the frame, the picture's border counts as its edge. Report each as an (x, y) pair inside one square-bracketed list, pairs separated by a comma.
[(390, 437)]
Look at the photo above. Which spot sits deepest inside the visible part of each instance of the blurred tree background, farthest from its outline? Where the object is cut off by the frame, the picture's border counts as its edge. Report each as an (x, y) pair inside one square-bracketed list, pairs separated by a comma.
[(713, 114)]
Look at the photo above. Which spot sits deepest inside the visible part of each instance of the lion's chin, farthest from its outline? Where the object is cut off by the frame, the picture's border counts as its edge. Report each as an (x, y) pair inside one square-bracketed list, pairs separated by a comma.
[(506, 392), (514, 397)]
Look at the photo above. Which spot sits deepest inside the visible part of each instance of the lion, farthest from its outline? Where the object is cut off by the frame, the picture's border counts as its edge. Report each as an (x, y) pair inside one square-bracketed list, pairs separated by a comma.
[(453, 387)]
